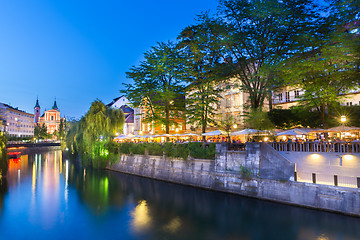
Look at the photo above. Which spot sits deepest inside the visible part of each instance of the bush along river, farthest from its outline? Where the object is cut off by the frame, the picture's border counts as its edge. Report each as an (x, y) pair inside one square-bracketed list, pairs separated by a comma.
[(46, 196)]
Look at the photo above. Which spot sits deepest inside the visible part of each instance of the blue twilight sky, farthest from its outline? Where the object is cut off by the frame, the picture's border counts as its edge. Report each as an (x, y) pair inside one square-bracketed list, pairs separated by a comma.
[(79, 50)]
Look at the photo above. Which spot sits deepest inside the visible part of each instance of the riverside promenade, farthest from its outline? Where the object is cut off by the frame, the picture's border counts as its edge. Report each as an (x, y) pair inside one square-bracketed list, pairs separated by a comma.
[(273, 177)]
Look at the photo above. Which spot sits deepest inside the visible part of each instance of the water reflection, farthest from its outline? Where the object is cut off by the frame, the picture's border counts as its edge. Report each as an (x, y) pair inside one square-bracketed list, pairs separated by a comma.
[(47, 196)]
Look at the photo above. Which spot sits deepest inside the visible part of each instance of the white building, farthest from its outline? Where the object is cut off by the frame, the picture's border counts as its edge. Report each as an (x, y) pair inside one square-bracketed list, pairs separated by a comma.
[(132, 115), (17, 122)]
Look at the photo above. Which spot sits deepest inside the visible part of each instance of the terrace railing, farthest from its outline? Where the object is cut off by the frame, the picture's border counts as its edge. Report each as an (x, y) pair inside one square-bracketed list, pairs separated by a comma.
[(326, 179), (338, 147)]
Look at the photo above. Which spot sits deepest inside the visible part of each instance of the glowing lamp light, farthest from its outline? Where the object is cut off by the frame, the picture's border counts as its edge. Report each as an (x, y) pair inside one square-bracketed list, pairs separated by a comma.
[(343, 119), (315, 156), (266, 139), (284, 138), (348, 157), (140, 132), (235, 126), (177, 130)]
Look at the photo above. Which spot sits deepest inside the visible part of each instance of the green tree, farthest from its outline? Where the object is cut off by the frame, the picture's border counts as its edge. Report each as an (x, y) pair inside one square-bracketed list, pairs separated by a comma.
[(202, 71), (157, 85), (326, 73), (258, 119), (62, 130), (92, 136), (259, 35), (3, 155), (40, 132), (226, 124)]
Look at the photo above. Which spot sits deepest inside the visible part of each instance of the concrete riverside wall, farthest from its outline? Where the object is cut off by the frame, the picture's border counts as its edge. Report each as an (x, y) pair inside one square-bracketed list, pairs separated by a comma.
[(273, 165), (212, 175)]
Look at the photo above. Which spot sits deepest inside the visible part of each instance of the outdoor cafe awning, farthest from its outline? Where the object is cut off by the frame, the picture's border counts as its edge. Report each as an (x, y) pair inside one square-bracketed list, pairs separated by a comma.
[(293, 132), (214, 133), (247, 131), (342, 129)]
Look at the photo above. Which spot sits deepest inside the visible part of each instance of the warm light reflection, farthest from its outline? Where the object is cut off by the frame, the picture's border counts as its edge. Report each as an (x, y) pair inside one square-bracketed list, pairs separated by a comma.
[(315, 156), (141, 218), (348, 157), (322, 237), (173, 226)]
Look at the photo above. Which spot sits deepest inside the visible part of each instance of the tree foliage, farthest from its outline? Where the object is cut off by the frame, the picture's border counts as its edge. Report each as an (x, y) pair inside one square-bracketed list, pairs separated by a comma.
[(203, 70), (259, 35), (258, 119), (326, 73), (3, 155), (92, 136), (157, 85), (40, 132)]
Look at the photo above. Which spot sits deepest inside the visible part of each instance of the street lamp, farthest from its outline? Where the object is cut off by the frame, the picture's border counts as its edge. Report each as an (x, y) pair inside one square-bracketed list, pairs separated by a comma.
[(235, 126), (343, 120)]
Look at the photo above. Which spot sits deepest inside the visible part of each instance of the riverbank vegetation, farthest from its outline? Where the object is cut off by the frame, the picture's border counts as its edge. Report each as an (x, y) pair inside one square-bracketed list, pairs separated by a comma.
[(91, 138), (3, 155), (194, 149)]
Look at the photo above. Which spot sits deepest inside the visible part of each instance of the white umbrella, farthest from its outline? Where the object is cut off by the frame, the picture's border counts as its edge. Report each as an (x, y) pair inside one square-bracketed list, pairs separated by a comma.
[(293, 132), (120, 137), (165, 135), (190, 134), (247, 131), (214, 133)]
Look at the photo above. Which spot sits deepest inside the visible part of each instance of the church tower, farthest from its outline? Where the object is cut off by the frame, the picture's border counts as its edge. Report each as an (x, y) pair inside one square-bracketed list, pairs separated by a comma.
[(37, 111)]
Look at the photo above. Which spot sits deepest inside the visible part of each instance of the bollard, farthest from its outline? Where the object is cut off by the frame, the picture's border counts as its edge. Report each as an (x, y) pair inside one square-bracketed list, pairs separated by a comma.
[(335, 180), (358, 182), (295, 176), (314, 177)]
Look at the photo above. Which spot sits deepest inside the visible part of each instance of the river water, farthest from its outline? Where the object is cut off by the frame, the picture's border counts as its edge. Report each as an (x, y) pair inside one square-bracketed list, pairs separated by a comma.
[(46, 196)]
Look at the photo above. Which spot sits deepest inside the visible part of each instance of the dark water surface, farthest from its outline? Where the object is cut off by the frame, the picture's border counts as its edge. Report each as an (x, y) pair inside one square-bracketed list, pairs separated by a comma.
[(46, 196)]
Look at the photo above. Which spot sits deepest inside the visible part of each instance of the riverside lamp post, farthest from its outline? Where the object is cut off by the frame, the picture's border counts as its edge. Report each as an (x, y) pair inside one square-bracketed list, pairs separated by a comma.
[(343, 120)]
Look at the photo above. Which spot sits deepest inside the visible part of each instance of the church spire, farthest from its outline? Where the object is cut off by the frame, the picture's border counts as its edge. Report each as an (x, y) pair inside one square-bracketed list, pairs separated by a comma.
[(37, 105), (55, 105)]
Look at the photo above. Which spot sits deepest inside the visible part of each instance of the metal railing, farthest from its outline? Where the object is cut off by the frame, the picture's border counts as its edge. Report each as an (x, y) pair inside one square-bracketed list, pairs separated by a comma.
[(339, 147), (327, 179)]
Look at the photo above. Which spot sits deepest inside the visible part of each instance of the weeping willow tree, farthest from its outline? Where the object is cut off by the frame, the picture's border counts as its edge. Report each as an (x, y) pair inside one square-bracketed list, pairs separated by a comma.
[(92, 136)]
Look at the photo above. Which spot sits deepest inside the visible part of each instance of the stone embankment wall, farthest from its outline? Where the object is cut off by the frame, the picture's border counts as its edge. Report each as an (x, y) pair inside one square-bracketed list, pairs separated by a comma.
[(272, 177)]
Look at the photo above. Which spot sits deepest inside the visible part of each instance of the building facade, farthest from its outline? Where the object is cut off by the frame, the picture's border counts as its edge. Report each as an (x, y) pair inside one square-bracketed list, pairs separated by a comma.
[(15, 122), (124, 104), (50, 118), (288, 97)]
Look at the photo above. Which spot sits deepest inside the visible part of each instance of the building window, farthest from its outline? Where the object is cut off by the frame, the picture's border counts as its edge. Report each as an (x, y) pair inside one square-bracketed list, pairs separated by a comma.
[(287, 96), (228, 101), (237, 100), (297, 93), (280, 97), (52, 118)]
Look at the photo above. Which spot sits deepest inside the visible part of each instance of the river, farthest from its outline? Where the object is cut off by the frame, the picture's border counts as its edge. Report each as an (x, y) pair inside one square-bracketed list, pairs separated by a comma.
[(46, 196)]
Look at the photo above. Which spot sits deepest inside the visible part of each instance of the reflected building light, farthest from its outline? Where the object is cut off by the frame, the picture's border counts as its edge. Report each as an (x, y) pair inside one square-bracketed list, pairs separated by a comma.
[(18, 175), (173, 226), (33, 177), (141, 217), (66, 180), (348, 157)]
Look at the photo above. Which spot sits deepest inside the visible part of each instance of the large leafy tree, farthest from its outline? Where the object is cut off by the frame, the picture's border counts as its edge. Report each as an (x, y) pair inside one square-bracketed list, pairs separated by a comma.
[(157, 85), (203, 70), (40, 131), (262, 33), (93, 135), (329, 70)]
